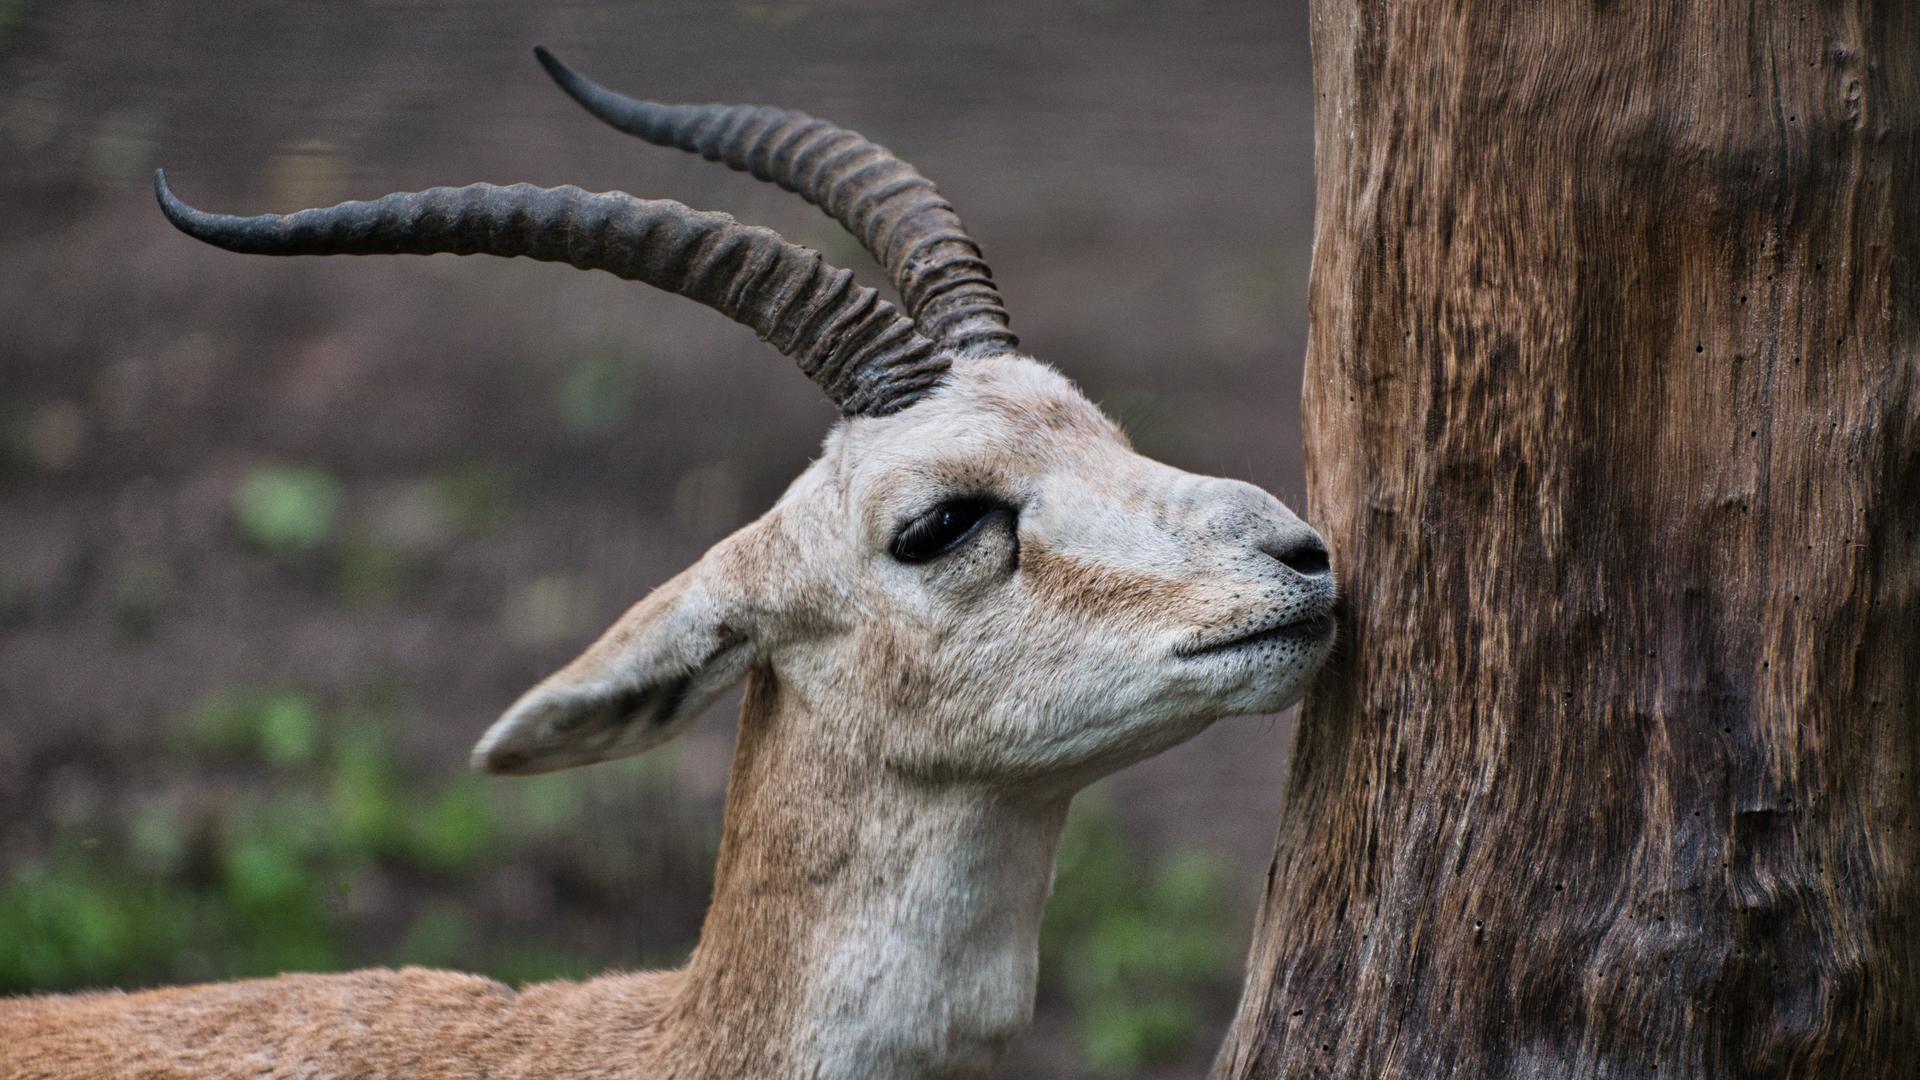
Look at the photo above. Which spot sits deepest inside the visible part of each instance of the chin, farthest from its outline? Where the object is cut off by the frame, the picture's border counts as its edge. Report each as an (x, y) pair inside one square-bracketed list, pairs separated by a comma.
[(1285, 691)]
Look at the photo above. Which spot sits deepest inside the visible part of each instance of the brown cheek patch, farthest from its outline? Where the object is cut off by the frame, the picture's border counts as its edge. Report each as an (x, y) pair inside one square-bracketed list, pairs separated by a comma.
[(1090, 590)]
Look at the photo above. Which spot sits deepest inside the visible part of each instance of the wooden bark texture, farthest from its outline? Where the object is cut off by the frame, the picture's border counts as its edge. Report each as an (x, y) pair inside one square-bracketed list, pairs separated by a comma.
[(1613, 424)]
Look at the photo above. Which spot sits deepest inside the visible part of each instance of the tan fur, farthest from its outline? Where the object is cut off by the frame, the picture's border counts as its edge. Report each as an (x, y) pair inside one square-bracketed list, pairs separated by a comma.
[(1089, 590), (911, 736), (409, 1023)]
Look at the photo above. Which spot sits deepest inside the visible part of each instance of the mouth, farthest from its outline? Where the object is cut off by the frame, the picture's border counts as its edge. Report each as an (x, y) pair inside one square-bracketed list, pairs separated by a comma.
[(1310, 629)]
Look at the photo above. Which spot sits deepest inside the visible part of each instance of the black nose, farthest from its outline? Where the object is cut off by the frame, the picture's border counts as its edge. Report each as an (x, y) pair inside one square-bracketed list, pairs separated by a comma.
[(1304, 555)]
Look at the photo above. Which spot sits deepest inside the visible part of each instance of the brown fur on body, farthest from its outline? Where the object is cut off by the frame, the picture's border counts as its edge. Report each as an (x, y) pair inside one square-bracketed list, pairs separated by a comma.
[(412, 1023)]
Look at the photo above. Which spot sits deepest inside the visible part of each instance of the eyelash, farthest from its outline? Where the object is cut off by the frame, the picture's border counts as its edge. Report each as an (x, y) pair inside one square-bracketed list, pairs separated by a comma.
[(943, 528)]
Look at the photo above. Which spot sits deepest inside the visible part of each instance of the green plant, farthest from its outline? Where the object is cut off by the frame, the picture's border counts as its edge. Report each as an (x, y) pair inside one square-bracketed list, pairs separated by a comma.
[(1134, 947), (440, 935), (377, 816), (286, 510), (69, 923), (262, 879), (278, 726)]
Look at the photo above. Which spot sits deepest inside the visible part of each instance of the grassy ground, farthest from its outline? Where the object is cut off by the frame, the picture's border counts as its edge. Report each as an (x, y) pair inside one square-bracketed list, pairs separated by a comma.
[(288, 837)]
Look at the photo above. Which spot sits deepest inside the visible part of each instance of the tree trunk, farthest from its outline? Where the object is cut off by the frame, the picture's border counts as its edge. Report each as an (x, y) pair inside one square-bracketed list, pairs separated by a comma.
[(1613, 424)]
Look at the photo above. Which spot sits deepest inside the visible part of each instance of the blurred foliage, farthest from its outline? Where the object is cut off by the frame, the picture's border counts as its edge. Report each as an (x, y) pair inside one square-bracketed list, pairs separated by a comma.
[(474, 499), (599, 394), (142, 589), (1137, 949), (408, 529), (279, 727), (286, 509), (250, 883), (371, 572)]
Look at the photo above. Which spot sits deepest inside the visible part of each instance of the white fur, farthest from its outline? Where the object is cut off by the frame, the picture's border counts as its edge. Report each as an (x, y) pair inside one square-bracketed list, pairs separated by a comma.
[(932, 976)]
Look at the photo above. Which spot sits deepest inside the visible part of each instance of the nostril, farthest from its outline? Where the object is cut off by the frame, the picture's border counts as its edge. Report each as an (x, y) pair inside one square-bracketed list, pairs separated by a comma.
[(1304, 555)]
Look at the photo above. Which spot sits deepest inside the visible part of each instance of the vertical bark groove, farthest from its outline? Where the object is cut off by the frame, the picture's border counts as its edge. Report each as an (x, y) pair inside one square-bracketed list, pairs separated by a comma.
[(1613, 422)]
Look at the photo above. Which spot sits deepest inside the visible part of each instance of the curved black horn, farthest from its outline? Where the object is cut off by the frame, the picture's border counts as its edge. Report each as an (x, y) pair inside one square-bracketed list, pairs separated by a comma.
[(857, 347), (903, 222)]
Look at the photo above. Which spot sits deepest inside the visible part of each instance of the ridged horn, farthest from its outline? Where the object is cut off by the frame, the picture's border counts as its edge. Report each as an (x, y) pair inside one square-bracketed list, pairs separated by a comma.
[(896, 213), (857, 347)]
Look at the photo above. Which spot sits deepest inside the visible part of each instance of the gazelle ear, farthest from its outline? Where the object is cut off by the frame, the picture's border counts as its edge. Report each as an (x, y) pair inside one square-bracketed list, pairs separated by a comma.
[(635, 688)]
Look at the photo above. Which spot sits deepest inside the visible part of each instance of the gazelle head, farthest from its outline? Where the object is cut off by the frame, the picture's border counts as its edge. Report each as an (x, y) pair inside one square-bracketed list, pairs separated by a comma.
[(978, 579)]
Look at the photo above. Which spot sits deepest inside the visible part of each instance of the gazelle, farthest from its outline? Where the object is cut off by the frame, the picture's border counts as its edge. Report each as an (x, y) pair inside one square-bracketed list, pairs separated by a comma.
[(976, 601)]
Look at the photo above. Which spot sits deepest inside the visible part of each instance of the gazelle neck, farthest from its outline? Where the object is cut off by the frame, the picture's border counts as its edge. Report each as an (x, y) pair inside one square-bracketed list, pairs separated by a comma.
[(862, 923)]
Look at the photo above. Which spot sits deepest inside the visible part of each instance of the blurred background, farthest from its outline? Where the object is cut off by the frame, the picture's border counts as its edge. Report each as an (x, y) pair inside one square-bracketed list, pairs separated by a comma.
[(279, 538)]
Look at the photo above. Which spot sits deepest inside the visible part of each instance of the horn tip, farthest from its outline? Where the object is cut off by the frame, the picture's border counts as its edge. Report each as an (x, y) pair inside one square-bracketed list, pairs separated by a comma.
[(599, 101), (220, 230), (559, 72), (176, 211)]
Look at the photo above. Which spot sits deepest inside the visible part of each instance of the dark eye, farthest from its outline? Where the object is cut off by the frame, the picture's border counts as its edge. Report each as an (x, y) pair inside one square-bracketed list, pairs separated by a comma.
[(940, 529)]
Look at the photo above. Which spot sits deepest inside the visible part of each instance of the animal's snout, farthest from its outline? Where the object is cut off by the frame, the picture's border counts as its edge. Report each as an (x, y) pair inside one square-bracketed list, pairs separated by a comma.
[(1302, 552)]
